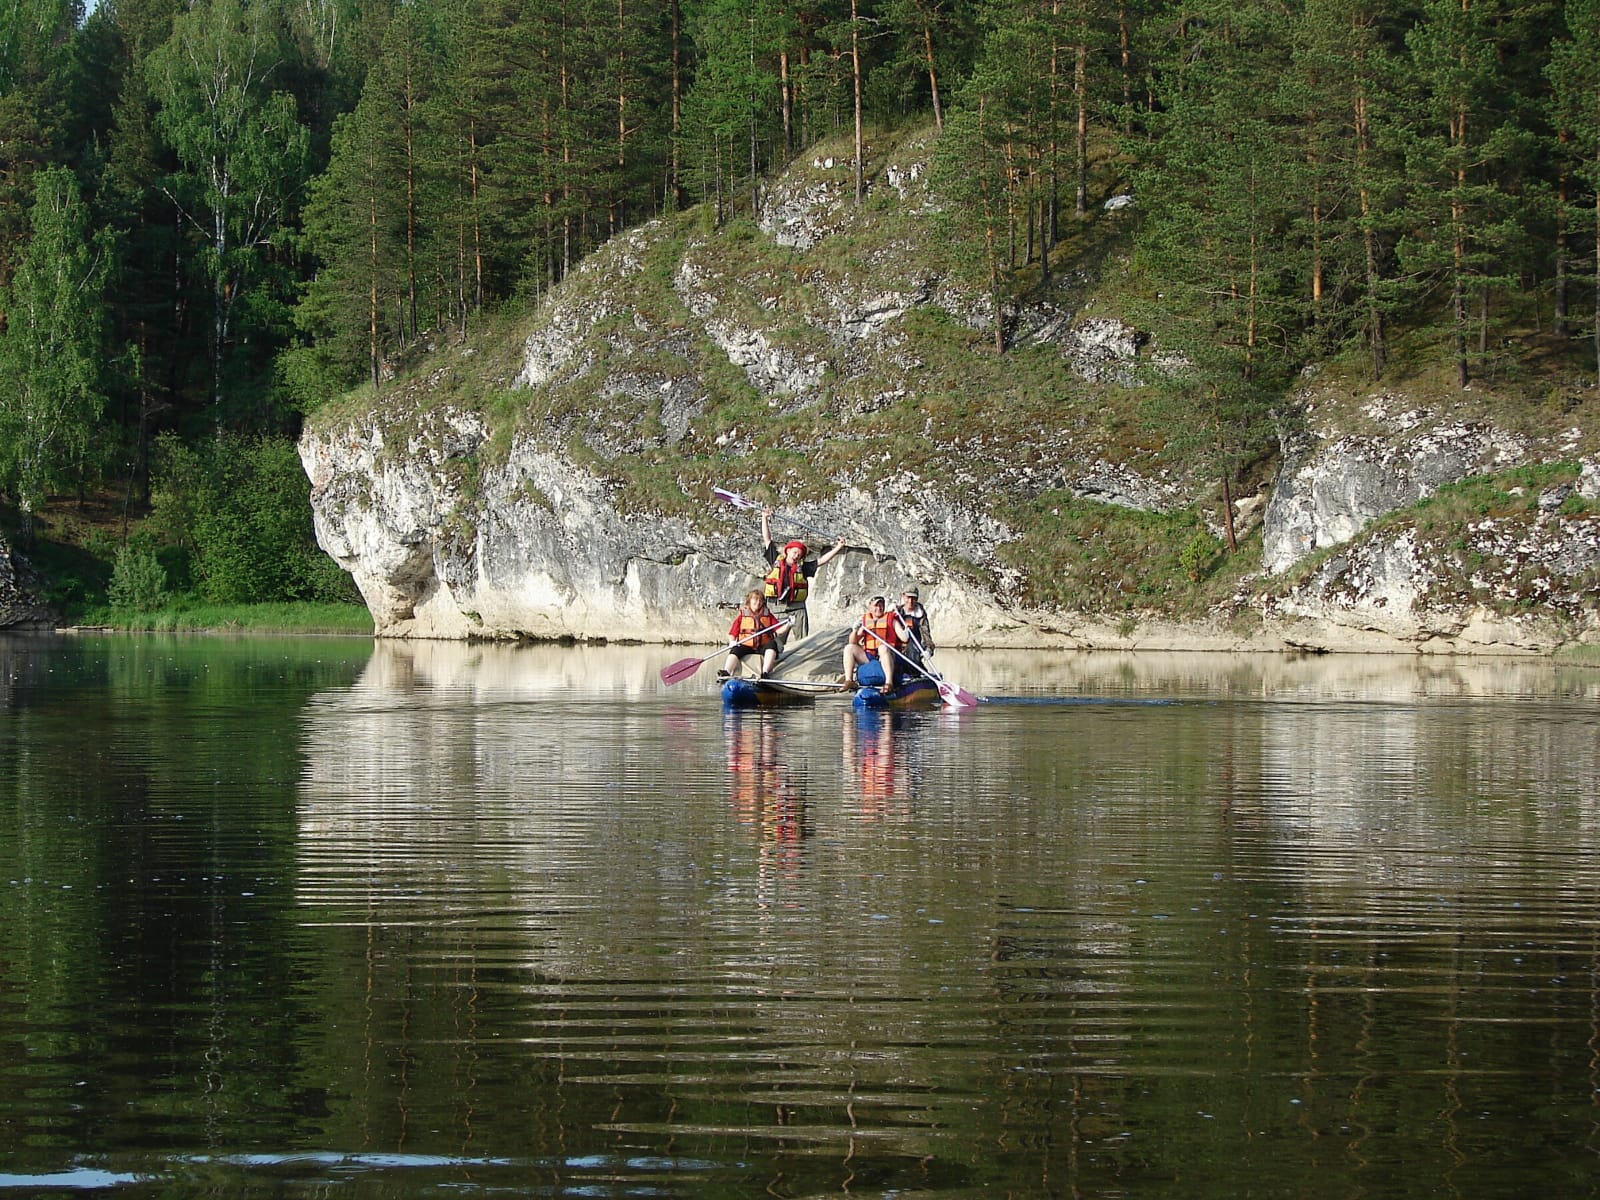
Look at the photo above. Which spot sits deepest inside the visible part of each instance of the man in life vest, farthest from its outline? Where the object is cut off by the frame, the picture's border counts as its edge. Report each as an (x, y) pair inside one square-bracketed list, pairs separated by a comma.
[(754, 631), (879, 634), (788, 578), (915, 618)]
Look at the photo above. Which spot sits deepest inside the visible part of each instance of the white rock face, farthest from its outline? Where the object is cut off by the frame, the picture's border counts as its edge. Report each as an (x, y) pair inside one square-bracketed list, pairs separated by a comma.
[(1102, 350), (1327, 493), (543, 553)]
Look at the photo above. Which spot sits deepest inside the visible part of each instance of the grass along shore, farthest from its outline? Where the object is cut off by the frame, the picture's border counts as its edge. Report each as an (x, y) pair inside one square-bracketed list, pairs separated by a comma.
[(285, 617)]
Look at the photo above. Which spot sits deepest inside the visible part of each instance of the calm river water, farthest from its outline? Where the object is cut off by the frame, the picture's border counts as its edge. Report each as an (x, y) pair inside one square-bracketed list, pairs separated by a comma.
[(329, 918)]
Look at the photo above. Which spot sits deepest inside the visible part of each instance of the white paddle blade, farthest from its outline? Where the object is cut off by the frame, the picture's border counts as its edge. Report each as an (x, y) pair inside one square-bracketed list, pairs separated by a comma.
[(956, 697)]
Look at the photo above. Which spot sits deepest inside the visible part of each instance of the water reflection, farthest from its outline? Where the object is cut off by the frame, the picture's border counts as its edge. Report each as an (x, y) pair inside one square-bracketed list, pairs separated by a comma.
[(767, 786), (476, 919)]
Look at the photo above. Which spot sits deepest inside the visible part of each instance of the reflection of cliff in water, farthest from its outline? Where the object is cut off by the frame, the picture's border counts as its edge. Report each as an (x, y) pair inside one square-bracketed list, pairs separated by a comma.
[(446, 766), (1400, 779), (1176, 674), (1045, 917)]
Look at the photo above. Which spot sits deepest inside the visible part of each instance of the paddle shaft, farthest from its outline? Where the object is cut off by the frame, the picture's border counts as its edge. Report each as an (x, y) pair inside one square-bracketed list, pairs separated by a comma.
[(948, 692), (861, 627), (739, 501), (679, 671)]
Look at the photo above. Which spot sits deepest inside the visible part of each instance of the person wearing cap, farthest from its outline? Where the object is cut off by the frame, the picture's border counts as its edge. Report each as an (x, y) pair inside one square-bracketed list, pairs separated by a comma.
[(789, 576), (879, 634), (915, 618)]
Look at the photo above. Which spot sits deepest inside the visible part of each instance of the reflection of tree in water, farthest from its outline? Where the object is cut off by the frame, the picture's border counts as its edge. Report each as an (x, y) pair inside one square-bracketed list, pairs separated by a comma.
[(765, 791)]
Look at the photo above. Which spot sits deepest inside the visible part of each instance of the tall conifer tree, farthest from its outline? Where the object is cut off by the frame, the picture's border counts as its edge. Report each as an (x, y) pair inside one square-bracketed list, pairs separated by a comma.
[(1219, 192), (1460, 138), (1574, 72)]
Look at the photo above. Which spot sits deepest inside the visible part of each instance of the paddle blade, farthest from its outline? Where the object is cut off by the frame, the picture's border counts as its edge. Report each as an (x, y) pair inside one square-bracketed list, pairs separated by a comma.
[(956, 697), (732, 498), (679, 671)]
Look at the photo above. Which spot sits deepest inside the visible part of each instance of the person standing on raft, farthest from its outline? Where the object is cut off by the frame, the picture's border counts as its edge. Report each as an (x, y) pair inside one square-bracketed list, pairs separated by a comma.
[(789, 576)]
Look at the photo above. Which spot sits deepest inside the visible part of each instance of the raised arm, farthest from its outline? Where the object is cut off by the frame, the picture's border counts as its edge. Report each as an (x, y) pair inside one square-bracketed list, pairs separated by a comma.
[(831, 554), (766, 527)]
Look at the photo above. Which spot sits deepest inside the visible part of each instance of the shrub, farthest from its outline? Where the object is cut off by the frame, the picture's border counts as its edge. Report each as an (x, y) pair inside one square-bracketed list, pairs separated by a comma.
[(242, 508), (138, 580)]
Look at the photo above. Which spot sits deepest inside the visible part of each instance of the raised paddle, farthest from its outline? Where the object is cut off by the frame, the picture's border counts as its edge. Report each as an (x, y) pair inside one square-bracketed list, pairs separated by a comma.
[(739, 501), (679, 671)]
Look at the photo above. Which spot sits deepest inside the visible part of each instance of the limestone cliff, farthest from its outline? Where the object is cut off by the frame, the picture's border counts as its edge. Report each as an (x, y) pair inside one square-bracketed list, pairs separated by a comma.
[(776, 355)]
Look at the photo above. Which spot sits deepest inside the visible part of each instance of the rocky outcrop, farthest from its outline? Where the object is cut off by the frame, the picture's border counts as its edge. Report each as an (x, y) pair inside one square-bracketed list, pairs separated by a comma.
[(1328, 490), (536, 547), (20, 590), (451, 533)]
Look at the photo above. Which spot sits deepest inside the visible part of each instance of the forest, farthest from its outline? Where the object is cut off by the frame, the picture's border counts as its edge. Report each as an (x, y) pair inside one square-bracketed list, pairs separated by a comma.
[(217, 216)]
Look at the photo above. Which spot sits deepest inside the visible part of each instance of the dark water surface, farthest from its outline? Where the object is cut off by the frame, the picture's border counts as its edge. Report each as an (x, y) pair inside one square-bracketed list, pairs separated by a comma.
[(318, 917)]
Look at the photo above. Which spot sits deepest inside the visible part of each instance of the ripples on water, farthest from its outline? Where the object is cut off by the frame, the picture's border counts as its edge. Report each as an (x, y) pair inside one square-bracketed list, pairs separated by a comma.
[(428, 920)]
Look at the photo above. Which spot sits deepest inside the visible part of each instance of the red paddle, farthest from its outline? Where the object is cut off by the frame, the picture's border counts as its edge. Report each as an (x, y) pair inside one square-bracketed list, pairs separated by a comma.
[(679, 671)]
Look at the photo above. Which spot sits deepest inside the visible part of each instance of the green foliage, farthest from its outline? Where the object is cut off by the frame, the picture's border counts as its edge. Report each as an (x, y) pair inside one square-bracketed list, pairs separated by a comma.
[(729, 113), (1198, 554), (186, 615), (241, 507), (138, 580), (1503, 494), (1090, 557), (51, 398), (243, 156)]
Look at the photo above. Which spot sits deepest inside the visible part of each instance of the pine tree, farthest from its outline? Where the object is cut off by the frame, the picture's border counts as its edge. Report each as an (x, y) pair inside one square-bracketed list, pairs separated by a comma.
[(1461, 213), (356, 225), (1574, 72), (1343, 91), (150, 309), (1220, 190), (733, 108), (35, 69), (932, 37), (972, 174)]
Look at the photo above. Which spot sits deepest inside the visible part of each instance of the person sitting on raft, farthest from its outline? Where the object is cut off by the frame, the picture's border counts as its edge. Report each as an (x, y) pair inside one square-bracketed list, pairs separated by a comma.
[(915, 618), (880, 634), (788, 578), (754, 631)]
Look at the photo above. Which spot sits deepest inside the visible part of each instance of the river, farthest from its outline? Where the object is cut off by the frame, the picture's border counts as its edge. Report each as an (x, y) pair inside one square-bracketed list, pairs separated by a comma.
[(317, 917)]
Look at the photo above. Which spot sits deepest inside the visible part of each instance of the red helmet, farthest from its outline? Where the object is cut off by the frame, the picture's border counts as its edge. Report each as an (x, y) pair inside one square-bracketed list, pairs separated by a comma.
[(791, 545)]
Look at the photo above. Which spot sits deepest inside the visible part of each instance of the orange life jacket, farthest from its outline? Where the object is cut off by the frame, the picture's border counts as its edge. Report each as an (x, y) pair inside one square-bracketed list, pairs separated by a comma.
[(914, 623), (787, 582), (880, 629), (747, 623)]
